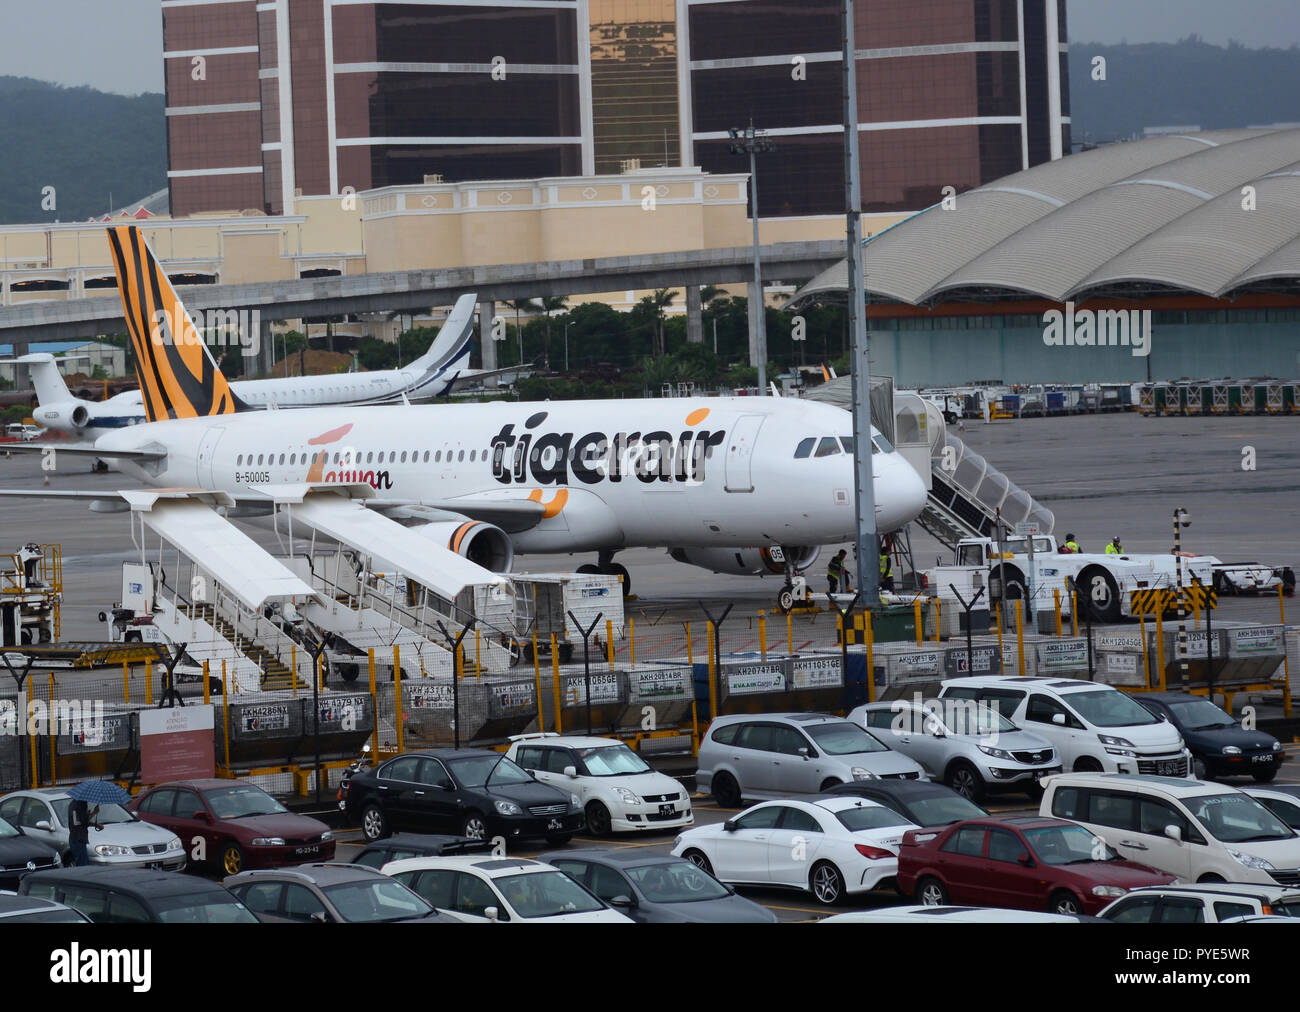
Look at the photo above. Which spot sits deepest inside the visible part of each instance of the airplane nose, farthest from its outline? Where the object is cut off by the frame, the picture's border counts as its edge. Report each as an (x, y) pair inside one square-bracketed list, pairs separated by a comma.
[(900, 493)]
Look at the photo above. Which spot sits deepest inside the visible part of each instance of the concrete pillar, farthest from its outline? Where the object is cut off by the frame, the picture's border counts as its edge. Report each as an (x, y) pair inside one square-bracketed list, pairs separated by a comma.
[(755, 307), (694, 315), (267, 346), (487, 312)]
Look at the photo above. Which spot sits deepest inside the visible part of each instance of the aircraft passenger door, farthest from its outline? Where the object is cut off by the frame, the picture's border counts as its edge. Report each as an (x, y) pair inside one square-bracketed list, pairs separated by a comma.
[(740, 452), (206, 450)]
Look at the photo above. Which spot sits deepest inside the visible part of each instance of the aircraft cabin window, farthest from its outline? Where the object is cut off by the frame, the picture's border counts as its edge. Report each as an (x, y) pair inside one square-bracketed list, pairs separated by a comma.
[(426, 456), (828, 447), (404, 461), (472, 455), (239, 461), (462, 457), (437, 456), (370, 457), (259, 459), (804, 448)]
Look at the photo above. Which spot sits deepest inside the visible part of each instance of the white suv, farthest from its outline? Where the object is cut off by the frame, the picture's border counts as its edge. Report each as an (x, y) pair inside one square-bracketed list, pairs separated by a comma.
[(1095, 728), (618, 790), (1198, 831)]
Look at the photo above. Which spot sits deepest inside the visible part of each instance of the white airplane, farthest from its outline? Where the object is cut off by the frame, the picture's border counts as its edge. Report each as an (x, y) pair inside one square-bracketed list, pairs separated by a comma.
[(707, 478), (431, 375)]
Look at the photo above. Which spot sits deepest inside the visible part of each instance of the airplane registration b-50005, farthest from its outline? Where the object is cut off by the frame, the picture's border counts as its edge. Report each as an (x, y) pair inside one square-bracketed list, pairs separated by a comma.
[(705, 478)]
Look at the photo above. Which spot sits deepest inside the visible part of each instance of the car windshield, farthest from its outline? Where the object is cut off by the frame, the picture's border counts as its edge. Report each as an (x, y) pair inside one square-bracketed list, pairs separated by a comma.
[(678, 882), (1237, 818), (203, 908), (942, 811), (1109, 708), (843, 738), (242, 801), (482, 771), (546, 894), (1068, 845), (371, 901), (45, 917), (106, 815), (7, 830), (612, 761), (869, 817), (1200, 715)]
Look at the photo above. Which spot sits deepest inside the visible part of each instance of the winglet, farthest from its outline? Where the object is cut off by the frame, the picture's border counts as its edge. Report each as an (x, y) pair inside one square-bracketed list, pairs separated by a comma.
[(178, 377)]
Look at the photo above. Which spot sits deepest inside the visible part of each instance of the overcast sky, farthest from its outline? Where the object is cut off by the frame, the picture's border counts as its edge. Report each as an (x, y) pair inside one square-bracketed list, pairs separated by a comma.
[(116, 45)]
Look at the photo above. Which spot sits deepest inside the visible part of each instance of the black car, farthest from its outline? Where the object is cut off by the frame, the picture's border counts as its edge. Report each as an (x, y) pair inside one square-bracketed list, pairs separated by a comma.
[(658, 888), (403, 845), (926, 804), (1220, 746), (15, 909), (137, 896), (21, 854), (331, 894), (474, 792)]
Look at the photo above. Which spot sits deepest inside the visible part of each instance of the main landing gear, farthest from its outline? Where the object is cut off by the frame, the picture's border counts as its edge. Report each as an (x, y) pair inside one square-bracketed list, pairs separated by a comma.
[(606, 566), (795, 593)]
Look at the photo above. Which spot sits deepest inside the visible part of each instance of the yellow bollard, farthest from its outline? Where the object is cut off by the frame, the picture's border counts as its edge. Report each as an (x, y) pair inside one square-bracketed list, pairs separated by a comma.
[(148, 684), (1056, 603), (871, 667), (126, 685), (320, 670), (206, 695), (555, 679), (690, 648), (1074, 613), (631, 640), (762, 634), (1286, 664), (1146, 663), (293, 666), (537, 682), (478, 658), (713, 676), (920, 623), (695, 730), (997, 615), (1160, 643), (609, 640), (1020, 639), (789, 633), (54, 755), (374, 705), (936, 620), (397, 696), (225, 713)]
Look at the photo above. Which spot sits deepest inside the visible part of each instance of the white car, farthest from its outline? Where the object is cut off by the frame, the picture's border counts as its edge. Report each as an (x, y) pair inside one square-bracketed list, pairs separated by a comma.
[(831, 847), (483, 888), (619, 792), (118, 838), (952, 915)]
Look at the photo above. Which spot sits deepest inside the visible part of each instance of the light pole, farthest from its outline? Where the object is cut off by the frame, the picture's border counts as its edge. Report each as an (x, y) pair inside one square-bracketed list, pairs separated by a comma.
[(566, 346), (748, 141), (1181, 519)]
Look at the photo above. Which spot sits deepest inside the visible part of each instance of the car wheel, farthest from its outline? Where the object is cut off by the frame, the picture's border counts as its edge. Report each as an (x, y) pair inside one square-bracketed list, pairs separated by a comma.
[(1102, 595), (474, 826), (1086, 764), (1199, 771), (232, 859), (966, 781), (1264, 776), (374, 824), (559, 839), (598, 820), (700, 860), (1064, 903), (827, 883), (931, 892), (828, 784), (726, 792), (1211, 878)]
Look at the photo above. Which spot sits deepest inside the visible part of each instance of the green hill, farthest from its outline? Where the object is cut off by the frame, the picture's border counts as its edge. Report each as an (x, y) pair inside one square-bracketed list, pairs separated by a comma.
[(1184, 83), (85, 143)]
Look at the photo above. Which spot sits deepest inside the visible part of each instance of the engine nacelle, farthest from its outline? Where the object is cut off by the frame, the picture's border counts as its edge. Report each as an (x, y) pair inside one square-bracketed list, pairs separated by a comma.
[(746, 561), (485, 544), (66, 416)]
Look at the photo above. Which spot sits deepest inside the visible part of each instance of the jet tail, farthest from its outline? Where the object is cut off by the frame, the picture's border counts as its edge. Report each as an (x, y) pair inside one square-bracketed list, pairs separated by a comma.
[(46, 378), (449, 353), (178, 376)]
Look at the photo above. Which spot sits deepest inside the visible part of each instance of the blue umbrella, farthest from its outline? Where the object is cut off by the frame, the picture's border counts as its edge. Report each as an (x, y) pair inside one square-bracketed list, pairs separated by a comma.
[(99, 792)]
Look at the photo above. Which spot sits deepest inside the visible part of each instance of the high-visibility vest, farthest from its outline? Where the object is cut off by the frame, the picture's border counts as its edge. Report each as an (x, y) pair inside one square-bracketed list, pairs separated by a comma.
[(834, 570), (1111, 549), (1073, 546), (884, 563)]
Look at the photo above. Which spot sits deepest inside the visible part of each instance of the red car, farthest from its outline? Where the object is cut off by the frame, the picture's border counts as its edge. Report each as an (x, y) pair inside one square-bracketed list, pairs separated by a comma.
[(1025, 862), (232, 825)]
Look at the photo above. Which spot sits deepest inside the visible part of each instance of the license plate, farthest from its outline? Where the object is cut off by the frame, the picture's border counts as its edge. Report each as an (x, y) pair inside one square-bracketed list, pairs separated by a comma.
[(666, 810), (553, 824), (1171, 769), (305, 851), (154, 866), (1038, 774), (1262, 759)]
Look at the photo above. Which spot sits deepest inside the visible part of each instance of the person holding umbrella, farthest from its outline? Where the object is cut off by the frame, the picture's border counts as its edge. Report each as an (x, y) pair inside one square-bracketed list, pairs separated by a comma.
[(81, 816)]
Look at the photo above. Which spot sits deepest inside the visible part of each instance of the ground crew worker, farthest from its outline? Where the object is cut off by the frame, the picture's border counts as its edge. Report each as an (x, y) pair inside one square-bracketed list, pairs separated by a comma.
[(886, 571), (1114, 548), (836, 573), (1071, 546)]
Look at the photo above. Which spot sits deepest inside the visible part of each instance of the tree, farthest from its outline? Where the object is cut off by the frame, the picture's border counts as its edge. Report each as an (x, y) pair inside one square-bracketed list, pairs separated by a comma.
[(550, 303)]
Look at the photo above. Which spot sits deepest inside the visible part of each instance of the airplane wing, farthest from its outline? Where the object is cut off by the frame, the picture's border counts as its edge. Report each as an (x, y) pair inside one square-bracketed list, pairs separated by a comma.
[(511, 516), (86, 450)]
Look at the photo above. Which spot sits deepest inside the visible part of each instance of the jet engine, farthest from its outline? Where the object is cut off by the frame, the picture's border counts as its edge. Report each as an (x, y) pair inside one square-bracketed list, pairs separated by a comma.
[(65, 416), (748, 561), (482, 543)]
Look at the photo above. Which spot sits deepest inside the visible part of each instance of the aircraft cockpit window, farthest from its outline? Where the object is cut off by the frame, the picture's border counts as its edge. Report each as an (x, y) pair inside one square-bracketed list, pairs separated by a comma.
[(828, 447), (847, 443), (882, 444), (804, 448)]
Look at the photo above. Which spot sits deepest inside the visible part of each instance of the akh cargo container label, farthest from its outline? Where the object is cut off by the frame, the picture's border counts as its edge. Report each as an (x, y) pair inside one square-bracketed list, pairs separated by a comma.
[(816, 673), (428, 697), (926, 663), (1263, 640), (266, 717), (604, 688), (1063, 654), (751, 678), (668, 683)]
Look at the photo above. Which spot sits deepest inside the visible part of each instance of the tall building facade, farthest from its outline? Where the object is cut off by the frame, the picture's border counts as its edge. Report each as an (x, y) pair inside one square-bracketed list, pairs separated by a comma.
[(268, 100)]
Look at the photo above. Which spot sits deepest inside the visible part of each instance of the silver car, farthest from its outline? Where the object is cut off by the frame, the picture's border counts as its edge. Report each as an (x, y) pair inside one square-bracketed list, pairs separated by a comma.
[(118, 838), (973, 749), (777, 755)]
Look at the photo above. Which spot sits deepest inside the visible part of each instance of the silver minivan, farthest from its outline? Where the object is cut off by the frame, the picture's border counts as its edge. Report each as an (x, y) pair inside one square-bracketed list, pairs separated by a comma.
[(776, 755)]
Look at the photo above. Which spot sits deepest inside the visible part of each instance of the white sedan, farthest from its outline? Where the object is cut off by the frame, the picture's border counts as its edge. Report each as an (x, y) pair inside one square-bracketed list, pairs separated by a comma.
[(831, 847)]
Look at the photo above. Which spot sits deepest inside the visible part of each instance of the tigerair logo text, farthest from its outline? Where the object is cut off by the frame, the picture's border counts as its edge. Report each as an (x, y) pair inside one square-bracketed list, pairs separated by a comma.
[(558, 458)]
